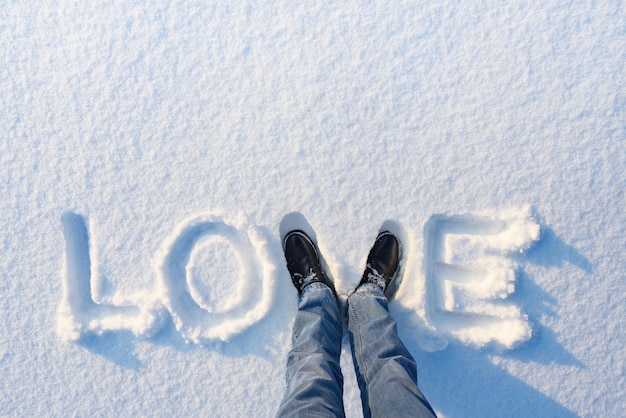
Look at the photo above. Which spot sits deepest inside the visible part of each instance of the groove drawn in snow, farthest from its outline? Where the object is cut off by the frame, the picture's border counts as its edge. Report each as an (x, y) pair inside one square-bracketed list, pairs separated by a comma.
[(469, 275), (252, 285), (79, 314), (216, 279)]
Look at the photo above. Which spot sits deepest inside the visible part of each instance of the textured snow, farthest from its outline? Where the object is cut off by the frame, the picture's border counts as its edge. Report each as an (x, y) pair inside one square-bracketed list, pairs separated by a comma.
[(152, 153)]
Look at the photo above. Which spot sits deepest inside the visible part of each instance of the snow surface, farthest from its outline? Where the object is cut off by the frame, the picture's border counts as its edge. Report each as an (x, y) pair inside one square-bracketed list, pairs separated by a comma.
[(150, 153)]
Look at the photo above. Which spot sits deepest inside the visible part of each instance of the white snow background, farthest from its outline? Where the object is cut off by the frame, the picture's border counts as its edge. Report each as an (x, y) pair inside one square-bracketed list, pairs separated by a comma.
[(151, 151)]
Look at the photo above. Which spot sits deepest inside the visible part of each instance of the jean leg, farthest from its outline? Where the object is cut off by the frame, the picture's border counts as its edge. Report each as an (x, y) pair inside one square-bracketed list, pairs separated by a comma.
[(314, 379), (386, 371)]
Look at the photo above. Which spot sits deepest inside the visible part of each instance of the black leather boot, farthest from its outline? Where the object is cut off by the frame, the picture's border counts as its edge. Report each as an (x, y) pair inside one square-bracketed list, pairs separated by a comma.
[(382, 261), (303, 261)]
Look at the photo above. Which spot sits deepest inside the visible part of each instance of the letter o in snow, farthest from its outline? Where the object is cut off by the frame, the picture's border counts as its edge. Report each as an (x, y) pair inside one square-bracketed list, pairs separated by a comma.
[(254, 290)]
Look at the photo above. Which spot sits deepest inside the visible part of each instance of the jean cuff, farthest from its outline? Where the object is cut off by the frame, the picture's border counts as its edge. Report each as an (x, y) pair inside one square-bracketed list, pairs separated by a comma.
[(370, 289), (315, 287)]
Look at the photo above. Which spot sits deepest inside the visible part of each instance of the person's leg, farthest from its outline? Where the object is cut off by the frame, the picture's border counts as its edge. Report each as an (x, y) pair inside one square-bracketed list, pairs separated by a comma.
[(314, 379), (386, 371)]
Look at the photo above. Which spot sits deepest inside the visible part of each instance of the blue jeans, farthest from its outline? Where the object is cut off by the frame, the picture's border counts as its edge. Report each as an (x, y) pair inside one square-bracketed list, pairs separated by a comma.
[(386, 372)]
